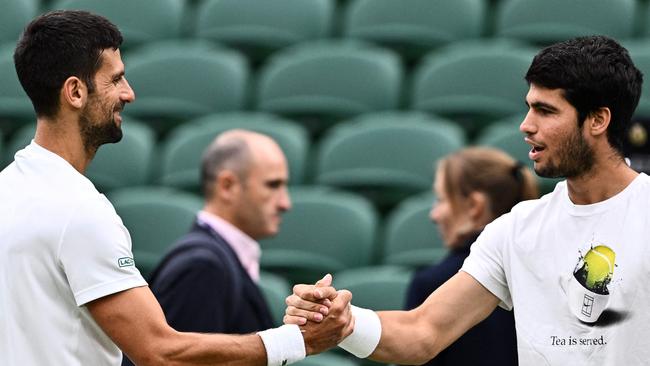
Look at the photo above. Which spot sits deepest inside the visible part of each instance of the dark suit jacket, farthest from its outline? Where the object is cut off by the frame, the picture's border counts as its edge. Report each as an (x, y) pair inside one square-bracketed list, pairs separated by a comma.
[(202, 287), (491, 342)]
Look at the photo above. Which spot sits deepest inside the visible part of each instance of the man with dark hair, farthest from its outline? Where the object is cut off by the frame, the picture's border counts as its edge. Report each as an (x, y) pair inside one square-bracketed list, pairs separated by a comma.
[(70, 293), (208, 280), (572, 263)]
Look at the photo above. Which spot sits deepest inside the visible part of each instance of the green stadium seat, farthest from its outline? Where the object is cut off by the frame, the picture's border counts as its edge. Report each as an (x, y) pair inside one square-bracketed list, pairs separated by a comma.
[(259, 27), (375, 287), (19, 139), (549, 21), (127, 163), (175, 82), (124, 164), (275, 290), (325, 231), (15, 15), (414, 27), (473, 82), (139, 21), (506, 136), (410, 237), (385, 156), (324, 81), (184, 147), (156, 218)]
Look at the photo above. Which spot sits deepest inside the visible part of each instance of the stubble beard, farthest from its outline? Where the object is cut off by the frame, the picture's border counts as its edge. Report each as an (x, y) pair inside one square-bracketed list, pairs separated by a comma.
[(576, 159), (98, 131)]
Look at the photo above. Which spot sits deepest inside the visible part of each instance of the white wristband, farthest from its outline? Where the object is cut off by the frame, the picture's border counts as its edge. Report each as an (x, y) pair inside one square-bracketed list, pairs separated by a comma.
[(366, 334), (284, 345)]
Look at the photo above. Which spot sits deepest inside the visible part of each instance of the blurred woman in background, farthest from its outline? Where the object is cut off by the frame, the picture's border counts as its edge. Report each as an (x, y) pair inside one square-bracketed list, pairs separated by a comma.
[(473, 187)]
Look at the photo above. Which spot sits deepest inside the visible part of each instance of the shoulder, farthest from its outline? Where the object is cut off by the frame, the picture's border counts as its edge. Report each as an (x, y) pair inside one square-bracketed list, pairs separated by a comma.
[(92, 211), (643, 185)]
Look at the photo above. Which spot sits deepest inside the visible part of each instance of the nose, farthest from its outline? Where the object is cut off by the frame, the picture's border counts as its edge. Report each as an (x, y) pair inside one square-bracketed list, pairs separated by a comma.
[(284, 203), (527, 126), (127, 95), (433, 213)]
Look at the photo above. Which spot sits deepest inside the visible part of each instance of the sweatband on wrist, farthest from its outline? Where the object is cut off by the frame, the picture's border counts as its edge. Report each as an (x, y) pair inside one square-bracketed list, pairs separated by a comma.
[(284, 345), (366, 334)]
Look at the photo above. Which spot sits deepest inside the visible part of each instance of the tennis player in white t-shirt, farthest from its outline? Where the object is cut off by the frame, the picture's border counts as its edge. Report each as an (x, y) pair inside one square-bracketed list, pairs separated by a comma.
[(70, 293), (573, 264)]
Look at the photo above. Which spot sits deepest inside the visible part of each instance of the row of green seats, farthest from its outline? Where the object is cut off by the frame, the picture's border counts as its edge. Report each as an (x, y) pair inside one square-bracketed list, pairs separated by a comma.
[(317, 84), (385, 156), (259, 27)]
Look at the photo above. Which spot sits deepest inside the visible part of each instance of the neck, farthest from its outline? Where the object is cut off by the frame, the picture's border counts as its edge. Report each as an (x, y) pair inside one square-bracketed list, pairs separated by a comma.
[(64, 139), (217, 209), (604, 180)]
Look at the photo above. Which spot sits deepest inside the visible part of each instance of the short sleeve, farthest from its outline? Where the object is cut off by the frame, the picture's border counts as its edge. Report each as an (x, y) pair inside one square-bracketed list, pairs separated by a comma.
[(95, 253), (486, 260)]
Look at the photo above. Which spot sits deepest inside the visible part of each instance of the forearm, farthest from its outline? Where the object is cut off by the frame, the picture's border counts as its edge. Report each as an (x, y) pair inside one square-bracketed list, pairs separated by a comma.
[(405, 339), (135, 322), (210, 349), (416, 336)]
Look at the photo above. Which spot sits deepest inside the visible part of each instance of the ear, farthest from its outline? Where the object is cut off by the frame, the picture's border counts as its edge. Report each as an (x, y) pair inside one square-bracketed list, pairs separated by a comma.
[(227, 185), (598, 121), (74, 92), (477, 206)]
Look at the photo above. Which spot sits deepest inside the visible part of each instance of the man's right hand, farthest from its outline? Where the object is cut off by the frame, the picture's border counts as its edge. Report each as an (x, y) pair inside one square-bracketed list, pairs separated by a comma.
[(322, 313), (337, 325), (310, 302)]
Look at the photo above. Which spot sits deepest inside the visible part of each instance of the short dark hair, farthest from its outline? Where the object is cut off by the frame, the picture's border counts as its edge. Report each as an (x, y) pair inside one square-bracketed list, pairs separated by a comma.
[(57, 45), (594, 72)]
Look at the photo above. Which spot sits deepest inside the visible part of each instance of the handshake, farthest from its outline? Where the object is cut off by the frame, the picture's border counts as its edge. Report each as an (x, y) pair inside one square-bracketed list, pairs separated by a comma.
[(325, 319), (323, 314)]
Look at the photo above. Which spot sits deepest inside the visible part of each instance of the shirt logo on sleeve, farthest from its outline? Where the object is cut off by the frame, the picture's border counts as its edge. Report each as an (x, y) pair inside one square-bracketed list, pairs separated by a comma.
[(126, 262)]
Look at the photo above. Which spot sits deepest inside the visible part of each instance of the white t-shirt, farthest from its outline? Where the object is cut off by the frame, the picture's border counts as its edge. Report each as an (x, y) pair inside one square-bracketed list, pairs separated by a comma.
[(61, 246), (577, 276)]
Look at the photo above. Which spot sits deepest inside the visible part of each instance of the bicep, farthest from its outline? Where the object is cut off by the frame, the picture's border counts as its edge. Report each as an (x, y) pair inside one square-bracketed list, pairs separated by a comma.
[(448, 312)]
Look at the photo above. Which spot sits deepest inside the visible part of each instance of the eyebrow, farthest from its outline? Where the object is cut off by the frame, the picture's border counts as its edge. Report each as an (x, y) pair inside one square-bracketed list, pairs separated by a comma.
[(118, 74), (542, 105)]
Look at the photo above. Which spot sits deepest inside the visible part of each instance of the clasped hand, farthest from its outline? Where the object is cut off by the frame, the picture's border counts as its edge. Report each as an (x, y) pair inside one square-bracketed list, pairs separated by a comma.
[(322, 312)]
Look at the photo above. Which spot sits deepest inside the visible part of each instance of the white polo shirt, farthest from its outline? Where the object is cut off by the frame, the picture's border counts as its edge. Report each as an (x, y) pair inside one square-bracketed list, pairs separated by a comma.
[(61, 246)]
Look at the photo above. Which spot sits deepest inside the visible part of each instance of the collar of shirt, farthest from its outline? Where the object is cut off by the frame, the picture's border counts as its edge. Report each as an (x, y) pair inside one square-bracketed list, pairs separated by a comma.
[(246, 248)]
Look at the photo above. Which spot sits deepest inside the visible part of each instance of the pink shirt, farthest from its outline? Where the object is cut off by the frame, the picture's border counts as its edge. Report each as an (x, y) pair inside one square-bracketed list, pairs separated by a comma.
[(247, 249)]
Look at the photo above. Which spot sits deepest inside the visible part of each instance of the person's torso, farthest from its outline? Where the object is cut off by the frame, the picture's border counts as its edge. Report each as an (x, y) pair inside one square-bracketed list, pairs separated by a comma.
[(42, 324), (577, 277), (244, 309)]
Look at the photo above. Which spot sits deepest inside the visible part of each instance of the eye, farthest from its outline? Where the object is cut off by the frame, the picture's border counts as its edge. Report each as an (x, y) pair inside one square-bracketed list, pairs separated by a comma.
[(274, 184)]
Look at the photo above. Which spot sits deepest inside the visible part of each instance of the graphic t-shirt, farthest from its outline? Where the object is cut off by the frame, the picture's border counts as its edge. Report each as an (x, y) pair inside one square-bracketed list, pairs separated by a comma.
[(576, 276), (61, 246)]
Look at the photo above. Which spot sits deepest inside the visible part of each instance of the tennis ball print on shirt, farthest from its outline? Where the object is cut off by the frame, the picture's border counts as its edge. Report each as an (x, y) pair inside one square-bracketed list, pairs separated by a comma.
[(588, 291)]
